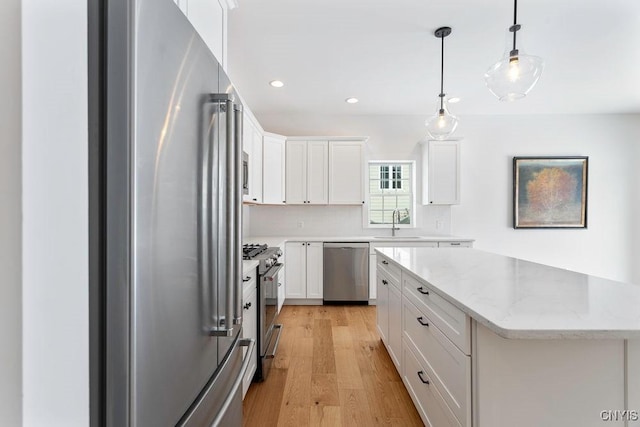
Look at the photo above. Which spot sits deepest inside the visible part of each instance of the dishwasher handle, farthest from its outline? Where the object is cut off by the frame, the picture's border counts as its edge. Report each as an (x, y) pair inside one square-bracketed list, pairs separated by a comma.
[(346, 245)]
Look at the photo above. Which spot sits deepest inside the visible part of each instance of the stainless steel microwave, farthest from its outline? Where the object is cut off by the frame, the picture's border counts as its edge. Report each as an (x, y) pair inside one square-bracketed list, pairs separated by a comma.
[(245, 173)]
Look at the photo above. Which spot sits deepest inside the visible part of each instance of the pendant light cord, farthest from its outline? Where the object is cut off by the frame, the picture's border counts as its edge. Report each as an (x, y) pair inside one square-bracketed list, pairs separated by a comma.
[(442, 74), (515, 22)]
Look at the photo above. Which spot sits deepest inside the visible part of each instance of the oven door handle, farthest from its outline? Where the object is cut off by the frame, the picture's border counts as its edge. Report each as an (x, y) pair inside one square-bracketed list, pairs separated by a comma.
[(273, 272)]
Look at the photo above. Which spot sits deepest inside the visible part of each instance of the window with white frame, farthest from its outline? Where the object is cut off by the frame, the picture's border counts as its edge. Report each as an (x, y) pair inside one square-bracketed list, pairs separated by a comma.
[(391, 192)]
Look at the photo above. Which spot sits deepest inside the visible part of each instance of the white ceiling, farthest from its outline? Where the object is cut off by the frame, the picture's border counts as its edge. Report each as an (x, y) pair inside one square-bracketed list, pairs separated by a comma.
[(384, 53)]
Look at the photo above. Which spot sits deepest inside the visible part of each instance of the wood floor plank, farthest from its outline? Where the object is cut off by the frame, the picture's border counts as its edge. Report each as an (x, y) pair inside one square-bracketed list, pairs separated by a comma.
[(354, 408), (297, 389), (326, 416), (324, 390), (331, 369), (261, 406), (323, 354)]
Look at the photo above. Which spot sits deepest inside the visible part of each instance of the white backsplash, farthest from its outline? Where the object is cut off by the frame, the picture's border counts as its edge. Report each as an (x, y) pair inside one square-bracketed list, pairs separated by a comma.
[(336, 221)]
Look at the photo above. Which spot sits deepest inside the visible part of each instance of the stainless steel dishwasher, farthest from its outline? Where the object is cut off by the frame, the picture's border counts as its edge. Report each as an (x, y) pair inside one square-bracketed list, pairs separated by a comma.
[(346, 273)]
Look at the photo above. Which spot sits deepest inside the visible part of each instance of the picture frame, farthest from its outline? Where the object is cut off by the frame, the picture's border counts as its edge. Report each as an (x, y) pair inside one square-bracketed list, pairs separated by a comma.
[(550, 192)]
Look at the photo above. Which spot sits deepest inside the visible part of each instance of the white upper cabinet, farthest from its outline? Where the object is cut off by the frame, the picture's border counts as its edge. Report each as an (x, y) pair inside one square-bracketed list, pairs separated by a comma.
[(307, 172), (346, 166), (273, 191), (209, 18), (296, 172), (252, 145), (441, 173), (318, 172)]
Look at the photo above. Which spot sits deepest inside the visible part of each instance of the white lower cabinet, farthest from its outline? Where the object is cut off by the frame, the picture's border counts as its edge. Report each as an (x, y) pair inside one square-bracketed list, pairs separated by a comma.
[(249, 323), (389, 304), (382, 306), (447, 366), (304, 270), (429, 342), (430, 405)]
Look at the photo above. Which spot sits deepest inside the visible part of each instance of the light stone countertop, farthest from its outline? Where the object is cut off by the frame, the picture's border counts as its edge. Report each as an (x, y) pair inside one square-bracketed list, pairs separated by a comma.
[(519, 299), (280, 240)]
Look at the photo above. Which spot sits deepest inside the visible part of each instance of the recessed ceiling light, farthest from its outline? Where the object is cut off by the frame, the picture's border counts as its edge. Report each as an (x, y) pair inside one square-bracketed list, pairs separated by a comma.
[(351, 100), (276, 83), (454, 100)]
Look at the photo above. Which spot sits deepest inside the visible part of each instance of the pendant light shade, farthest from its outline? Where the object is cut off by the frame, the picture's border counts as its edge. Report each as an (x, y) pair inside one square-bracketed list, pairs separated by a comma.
[(513, 76), (441, 125)]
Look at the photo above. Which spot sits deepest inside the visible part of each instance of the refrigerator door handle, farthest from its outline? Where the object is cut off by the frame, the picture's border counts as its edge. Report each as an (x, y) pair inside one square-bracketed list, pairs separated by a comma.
[(226, 219), (245, 342), (236, 144)]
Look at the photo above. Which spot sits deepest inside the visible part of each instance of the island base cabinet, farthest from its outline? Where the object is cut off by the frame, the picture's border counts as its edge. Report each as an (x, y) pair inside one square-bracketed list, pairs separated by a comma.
[(382, 307), (551, 383), (430, 405)]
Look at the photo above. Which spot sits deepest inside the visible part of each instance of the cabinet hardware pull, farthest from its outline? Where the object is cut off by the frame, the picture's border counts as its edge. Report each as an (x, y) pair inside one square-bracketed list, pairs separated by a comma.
[(385, 262), (420, 373), (255, 200), (455, 244), (246, 279), (384, 282), (422, 291), (247, 305), (421, 321)]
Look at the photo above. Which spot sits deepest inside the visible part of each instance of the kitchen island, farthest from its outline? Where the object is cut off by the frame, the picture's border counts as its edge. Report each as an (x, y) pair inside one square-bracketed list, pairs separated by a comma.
[(487, 340)]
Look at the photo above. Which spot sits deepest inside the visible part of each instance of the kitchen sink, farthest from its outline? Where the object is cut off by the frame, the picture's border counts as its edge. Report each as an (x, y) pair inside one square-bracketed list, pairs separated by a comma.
[(397, 237)]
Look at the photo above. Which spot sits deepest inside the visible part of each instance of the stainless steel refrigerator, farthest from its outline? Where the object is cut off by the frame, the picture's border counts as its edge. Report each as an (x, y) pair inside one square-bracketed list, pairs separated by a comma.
[(171, 215)]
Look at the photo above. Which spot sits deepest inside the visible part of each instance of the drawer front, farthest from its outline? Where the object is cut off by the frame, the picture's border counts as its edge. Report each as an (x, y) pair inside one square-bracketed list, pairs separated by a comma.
[(455, 324), (449, 368), (430, 405), (250, 330), (382, 305), (454, 244), (391, 270), (249, 280)]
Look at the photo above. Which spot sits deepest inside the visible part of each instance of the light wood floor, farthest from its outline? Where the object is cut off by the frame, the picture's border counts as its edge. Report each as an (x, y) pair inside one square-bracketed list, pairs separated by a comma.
[(331, 369)]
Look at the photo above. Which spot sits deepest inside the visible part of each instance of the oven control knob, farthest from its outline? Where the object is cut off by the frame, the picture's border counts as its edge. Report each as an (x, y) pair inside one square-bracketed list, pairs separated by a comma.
[(279, 252)]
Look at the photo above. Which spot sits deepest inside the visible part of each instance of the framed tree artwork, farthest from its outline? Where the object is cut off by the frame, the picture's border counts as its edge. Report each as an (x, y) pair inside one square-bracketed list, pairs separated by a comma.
[(550, 192)]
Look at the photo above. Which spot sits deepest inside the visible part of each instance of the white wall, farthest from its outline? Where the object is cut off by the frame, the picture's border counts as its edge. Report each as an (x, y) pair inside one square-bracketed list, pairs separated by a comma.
[(605, 249), (55, 230), (10, 216)]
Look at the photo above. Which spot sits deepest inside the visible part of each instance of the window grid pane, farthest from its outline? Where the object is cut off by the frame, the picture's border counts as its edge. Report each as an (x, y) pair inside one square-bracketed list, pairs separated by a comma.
[(390, 188)]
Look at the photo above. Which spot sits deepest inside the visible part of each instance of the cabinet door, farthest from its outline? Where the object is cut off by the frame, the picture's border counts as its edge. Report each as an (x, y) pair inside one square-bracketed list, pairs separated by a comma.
[(208, 18), (296, 172), (255, 163), (295, 265), (346, 173), (250, 330), (314, 269), (442, 174), (273, 170), (382, 306), (395, 325), (318, 172), (373, 285)]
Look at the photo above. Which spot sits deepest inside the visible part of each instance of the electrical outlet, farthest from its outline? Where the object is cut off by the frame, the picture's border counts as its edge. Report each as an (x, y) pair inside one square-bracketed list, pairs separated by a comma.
[(300, 224), (439, 225)]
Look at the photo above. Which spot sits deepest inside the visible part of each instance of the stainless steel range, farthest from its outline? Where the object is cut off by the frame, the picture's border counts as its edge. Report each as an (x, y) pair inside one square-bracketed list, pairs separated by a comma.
[(268, 330)]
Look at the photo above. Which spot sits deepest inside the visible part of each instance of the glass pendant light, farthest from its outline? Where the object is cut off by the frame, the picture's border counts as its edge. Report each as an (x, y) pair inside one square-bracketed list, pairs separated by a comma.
[(443, 123), (516, 73)]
